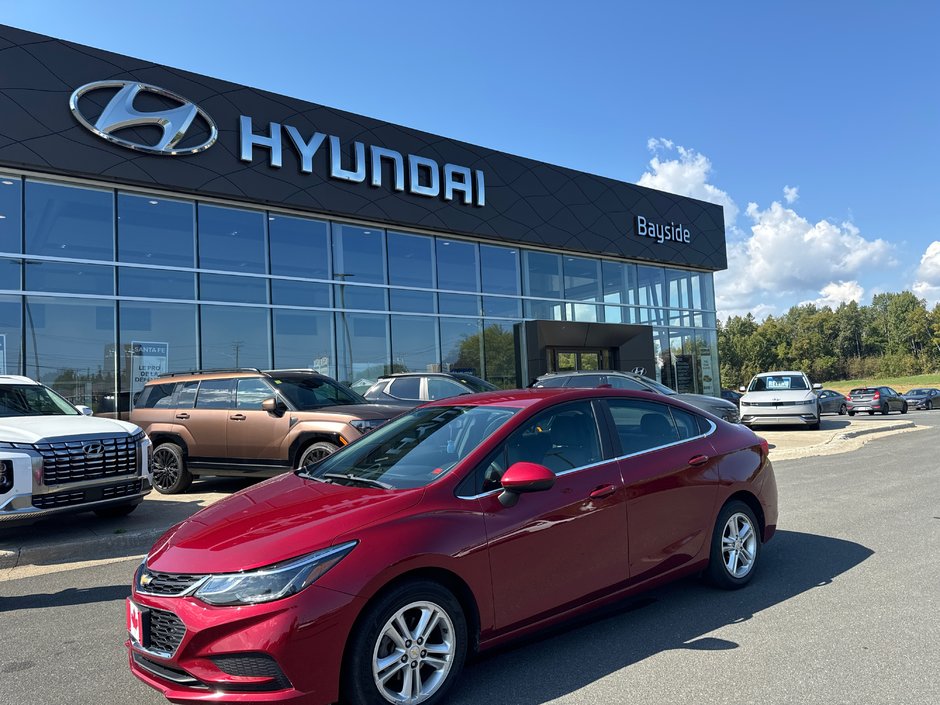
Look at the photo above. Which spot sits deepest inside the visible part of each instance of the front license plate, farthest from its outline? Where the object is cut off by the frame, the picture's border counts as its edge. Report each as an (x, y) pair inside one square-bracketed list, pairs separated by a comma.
[(138, 621)]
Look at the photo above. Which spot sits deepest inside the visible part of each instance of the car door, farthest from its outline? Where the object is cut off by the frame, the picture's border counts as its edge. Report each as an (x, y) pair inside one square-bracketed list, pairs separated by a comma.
[(670, 473), (255, 436), (560, 545), (206, 420), (897, 403)]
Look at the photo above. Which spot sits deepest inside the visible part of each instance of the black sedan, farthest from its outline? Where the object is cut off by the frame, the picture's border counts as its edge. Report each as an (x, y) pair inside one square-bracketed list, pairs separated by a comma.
[(922, 398)]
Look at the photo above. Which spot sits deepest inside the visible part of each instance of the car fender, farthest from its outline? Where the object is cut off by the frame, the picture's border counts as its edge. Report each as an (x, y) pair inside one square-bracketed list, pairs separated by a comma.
[(173, 433)]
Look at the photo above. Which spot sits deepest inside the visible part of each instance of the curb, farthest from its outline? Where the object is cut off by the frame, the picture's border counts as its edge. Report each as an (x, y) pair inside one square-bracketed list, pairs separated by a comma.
[(111, 546), (883, 429)]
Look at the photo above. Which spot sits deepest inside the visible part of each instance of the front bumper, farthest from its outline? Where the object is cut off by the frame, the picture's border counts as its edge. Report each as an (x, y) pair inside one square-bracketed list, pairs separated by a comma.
[(302, 638), (750, 418)]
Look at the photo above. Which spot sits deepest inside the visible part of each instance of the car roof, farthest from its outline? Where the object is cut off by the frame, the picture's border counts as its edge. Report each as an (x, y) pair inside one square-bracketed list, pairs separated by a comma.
[(240, 373), (17, 379), (544, 396), (780, 372), (395, 375)]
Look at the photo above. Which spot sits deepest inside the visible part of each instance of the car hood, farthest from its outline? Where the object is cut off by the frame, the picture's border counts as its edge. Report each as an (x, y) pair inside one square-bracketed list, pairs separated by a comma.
[(35, 429), (705, 401), (779, 395), (282, 518)]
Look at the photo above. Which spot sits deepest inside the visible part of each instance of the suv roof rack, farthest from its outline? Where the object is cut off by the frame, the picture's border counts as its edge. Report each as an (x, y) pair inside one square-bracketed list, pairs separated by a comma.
[(220, 369)]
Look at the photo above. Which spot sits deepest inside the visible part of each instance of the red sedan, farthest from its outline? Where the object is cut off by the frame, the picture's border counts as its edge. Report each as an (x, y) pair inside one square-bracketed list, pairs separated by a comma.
[(369, 576)]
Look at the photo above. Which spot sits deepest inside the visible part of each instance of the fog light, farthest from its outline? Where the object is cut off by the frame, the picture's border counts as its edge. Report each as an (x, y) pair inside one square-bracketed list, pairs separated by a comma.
[(6, 476)]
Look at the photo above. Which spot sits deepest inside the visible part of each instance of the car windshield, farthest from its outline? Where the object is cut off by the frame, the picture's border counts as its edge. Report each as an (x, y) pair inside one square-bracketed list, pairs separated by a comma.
[(414, 449), (308, 392), (477, 384), (919, 392), (777, 383), (33, 400)]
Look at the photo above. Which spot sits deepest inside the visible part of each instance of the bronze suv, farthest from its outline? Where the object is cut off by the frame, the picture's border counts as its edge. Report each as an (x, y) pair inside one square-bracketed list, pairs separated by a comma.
[(247, 422)]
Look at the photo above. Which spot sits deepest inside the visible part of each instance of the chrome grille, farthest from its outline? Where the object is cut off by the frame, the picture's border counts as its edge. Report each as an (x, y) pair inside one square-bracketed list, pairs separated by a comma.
[(68, 461), (166, 584), (166, 631)]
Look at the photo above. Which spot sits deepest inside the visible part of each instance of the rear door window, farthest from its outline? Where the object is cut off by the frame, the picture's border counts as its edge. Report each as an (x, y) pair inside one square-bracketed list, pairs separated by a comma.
[(442, 388), (406, 388), (642, 425), (186, 394), (156, 396), (215, 394), (687, 424)]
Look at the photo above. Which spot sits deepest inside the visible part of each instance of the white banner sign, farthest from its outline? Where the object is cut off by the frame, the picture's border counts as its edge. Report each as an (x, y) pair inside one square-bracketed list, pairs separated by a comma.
[(148, 360)]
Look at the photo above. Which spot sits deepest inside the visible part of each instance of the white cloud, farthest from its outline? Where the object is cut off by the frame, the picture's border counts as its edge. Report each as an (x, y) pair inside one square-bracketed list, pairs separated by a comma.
[(835, 293), (686, 175), (927, 285), (791, 194)]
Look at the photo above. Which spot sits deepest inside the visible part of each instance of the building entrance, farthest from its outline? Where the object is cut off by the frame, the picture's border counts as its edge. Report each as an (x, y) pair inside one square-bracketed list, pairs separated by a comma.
[(574, 360)]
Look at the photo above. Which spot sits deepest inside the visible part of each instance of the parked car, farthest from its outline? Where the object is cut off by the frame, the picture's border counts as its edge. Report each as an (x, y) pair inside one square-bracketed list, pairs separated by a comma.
[(872, 399), (630, 380), (922, 398), (413, 388), (776, 398), (371, 576), (55, 458), (247, 422), (832, 402), (731, 395)]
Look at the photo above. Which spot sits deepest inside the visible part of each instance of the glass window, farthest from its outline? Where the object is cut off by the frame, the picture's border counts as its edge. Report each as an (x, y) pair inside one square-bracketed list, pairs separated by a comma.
[(11, 333), (499, 346), (304, 339), (406, 388), (288, 292), (499, 268), (650, 286), (458, 305), (243, 290), (156, 283), (171, 326), (687, 424), (544, 310), (582, 279), (642, 425), (414, 344), (153, 230), (542, 274), (442, 388), (249, 393), (362, 348), (67, 221), (215, 394), (11, 237), (186, 397), (619, 282), (234, 336), (500, 307), (554, 382), (582, 312), (11, 274), (620, 314), (364, 298), (70, 347), (231, 240), (306, 392), (461, 345), (156, 396), (679, 288), (358, 254), (618, 382), (457, 265), (300, 247), (410, 260), (69, 278), (404, 300)]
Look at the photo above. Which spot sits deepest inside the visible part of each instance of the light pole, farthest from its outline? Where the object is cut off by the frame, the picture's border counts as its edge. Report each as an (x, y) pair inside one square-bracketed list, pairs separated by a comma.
[(343, 276)]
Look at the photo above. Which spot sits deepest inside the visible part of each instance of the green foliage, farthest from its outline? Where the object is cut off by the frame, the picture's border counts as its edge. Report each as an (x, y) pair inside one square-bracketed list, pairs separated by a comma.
[(896, 336)]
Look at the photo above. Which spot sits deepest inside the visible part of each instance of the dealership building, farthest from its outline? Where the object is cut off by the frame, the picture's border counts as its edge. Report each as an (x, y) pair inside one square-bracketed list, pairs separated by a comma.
[(156, 220)]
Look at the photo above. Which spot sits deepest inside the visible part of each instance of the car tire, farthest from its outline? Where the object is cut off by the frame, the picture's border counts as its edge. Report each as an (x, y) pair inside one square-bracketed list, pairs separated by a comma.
[(885, 409), (170, 475), (842, 410), (815, 425), (904, 408), (316, 452), (121, 510), (871, 413), (374, 656), (929, 405), (725, 570), (851, 412)]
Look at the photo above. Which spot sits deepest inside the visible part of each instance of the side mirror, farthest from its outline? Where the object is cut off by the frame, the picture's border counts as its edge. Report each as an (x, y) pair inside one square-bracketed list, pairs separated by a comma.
[(86, 410), (273, 405), (524, 477), (817, 386), (742, 389)]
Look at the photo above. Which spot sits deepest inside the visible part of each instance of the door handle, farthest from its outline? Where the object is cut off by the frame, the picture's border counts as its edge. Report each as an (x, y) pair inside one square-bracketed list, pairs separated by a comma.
[(603, 491), (698, 460), (238, 417), (182, 416)]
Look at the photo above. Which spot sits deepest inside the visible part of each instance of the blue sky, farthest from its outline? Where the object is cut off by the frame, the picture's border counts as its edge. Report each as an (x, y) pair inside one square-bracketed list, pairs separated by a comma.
[(726, 101)]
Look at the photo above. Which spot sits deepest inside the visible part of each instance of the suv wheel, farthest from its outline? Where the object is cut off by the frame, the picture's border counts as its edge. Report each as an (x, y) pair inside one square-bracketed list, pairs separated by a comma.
[(170, 475), (316, 452)]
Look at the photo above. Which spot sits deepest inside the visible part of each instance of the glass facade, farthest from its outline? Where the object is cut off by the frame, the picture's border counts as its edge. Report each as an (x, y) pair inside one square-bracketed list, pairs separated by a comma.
[(89, 276)]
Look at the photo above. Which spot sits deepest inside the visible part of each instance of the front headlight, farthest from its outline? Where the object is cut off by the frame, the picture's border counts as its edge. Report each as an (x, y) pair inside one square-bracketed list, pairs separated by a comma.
[(273, 582), (366, 425)]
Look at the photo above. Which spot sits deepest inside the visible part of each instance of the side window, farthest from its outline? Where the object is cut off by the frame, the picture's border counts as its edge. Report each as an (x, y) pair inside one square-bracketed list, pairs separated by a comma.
[(642, 425), (442, 388), (186, 395), (562, 438), (687, 424), (215, 394), (626, 383), (250, 392), (406, 388), (553, 382), (587, 381), (156, 396)]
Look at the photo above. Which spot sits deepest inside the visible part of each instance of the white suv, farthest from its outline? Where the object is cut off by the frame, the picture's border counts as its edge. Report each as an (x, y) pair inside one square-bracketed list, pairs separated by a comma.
[(56, 458), (774, 398)]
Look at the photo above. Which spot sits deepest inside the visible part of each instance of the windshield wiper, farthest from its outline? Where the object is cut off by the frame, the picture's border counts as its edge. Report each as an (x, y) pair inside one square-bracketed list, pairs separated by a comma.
[(355, 478)]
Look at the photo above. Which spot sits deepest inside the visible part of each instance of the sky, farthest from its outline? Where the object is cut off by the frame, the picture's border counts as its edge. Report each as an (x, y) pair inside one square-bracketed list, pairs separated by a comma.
[(815, 124)]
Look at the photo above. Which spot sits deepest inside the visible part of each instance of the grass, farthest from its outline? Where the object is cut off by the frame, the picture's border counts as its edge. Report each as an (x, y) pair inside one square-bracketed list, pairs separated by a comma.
[(899, 384)]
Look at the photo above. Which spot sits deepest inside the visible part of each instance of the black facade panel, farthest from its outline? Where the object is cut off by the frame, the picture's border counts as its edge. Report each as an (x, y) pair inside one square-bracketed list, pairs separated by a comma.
[(527, 202)]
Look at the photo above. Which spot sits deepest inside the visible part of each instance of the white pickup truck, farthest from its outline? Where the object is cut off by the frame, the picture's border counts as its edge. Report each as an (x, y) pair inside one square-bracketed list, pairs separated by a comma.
[(55, 458)]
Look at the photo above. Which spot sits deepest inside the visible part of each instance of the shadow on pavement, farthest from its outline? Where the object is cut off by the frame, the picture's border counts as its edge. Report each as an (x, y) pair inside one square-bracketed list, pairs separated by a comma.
[(65, 598), (556, 663)]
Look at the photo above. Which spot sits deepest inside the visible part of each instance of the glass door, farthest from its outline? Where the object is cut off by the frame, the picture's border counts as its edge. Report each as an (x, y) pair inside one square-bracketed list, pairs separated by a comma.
[(579, 359)]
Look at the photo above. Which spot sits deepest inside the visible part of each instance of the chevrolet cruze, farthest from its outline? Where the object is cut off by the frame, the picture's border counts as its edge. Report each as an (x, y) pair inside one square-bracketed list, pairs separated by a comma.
[(370, 576)]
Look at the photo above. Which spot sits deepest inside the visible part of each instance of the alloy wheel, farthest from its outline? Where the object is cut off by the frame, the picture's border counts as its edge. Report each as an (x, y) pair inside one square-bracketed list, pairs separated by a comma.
[(738, 545), (413, 653), (166, 468)]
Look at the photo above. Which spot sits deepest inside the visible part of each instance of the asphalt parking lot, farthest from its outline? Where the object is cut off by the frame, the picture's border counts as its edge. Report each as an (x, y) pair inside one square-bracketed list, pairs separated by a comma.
[(843, 610)]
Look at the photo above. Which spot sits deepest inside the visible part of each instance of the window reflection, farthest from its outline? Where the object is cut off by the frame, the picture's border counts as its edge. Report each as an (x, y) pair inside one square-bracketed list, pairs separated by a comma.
[(231, 239), (499, 347), (650, 285), (457, 265), (11, 200), (358, 254), (459, 305), (499, 269), (67, 221), (11, 274), (172, 325), (410, 260), (619, 282), (362, 348), (365, 298), (11, 327), (288, 292), (63, 278), (304, 339), (462, 345), (234, 336), (404, 300), (156, 283), (542, 274), (582, 279), (154, 230), (221, 287), (414, 344), (502, 307), (300, 247)]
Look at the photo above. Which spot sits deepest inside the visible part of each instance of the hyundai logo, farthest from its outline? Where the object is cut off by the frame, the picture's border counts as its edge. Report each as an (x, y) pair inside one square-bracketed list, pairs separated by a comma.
[(93, 450), (120, 113)]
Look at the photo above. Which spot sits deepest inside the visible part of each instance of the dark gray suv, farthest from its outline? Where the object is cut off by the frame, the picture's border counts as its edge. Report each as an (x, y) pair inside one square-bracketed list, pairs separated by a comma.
[(721, 408)]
